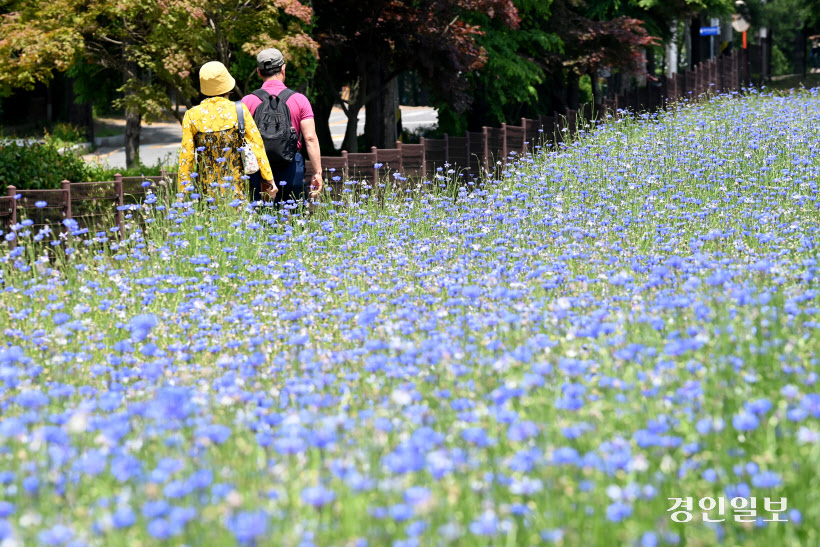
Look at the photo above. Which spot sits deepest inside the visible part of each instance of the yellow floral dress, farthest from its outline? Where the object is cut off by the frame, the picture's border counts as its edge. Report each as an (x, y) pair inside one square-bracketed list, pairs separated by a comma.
[(210, 148)]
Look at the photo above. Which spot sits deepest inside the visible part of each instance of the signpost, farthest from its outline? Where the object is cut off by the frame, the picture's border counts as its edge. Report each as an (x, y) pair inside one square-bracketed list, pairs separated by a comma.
[(711, 32), (740, 22)]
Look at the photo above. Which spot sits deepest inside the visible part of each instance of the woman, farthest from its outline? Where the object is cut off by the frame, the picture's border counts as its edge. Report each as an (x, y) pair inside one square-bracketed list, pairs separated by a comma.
[(210, 157)]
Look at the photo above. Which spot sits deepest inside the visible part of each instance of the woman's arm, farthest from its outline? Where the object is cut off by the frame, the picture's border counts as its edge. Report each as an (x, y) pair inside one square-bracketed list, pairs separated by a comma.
[(254, 138), (186, 155)]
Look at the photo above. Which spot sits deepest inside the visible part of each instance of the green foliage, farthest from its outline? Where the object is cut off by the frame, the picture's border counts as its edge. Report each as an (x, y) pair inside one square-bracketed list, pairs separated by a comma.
[(449, 121), (38, 166), (300, 72), (59, 133), (42, 166), (99, 172), (585, 89), (781, 65), (515, 69), (784, 17), (67, 133), (97, 85)]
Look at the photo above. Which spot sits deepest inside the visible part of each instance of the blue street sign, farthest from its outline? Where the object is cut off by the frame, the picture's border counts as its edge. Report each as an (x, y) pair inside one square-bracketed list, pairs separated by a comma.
[(709, 31)]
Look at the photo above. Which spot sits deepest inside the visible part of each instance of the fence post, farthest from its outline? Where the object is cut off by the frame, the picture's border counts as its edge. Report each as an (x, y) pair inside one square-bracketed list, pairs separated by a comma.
[(423, 158), (446, 148), (65, 186), (486, 148), (120, 200), (504, 150), (11, 191)]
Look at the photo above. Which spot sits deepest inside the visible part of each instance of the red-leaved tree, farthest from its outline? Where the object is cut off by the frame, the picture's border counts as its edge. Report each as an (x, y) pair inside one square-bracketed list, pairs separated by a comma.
[(364, 45)]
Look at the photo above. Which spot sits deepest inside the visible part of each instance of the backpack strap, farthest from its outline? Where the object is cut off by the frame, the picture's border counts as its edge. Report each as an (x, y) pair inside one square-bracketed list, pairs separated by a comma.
[(283, 98), (286, 94), (240, 118), (262, 95)]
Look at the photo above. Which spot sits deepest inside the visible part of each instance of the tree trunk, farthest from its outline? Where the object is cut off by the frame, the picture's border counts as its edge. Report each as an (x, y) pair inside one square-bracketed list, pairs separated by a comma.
[(650, 64), (596, 89), (573, 91), (133, 123), (351, 142), (671, 61), (380, 114), (695, 41), (322, 107)]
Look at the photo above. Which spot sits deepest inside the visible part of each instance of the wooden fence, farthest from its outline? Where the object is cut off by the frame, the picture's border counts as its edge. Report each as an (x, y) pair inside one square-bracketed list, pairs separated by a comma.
[(472, 154)]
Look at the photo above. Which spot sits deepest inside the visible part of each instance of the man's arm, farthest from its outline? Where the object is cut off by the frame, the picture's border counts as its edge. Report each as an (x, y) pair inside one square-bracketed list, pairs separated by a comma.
[(314, 153)]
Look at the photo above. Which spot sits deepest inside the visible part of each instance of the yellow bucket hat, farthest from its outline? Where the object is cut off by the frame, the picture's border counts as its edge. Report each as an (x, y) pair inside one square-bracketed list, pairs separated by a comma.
[(214, 79)]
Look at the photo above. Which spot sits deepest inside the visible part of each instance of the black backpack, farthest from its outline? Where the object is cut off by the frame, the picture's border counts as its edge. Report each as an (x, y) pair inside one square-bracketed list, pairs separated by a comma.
[(272, 117)]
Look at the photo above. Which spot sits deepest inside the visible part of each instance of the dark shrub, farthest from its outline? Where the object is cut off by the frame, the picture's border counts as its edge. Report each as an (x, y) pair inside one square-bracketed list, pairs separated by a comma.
[(38, 166)]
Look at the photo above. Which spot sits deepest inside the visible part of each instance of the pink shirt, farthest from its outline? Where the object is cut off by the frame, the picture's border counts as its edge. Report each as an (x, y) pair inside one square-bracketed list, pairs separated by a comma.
[(298, 104)]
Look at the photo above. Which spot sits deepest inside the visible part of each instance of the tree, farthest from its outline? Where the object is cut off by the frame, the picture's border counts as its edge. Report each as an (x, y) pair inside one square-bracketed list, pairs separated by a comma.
[(617, 43), (366, 44), (789, 23), (155, 47), (517, 65), (537, 67)]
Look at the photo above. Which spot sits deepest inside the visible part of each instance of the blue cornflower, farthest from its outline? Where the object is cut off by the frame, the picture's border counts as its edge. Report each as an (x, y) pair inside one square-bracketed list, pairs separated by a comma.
[(745, 421), (415, 528), (520, 431), (766, 479), (477, 436), (141, 325), (416, 495), (31, 399), (400, 512), (153, 509), (216, 433), (248, 526), (565, 455), (317, 496), (552, 536), (760, 406), (485, 525), (57, 535), (60, 318), (40, 204), (123, 517), (6, 530), (618, 511), (159, 528), (649, 539), (6, 509), (811, 403)]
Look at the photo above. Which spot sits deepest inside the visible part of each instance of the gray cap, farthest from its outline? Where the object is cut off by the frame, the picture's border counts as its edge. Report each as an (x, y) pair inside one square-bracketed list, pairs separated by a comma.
[(270, 59)]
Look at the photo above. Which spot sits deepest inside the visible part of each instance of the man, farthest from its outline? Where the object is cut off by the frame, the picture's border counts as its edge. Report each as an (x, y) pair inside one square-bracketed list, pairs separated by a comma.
[(290, 178)]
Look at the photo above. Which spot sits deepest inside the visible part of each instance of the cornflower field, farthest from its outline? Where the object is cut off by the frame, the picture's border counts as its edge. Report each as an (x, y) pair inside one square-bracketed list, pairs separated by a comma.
[(544, 357)]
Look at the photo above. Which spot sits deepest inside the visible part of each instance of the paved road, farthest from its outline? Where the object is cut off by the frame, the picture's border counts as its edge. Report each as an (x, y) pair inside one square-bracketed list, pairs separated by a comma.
[(160, 141)]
